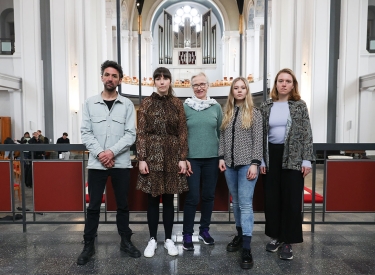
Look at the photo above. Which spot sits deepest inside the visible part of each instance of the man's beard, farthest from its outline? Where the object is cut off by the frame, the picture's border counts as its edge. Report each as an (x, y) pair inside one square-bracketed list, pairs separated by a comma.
[(110, 88)]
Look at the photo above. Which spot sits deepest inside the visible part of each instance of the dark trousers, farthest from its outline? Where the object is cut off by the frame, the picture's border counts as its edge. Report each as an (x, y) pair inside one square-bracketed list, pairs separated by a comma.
[(96, 184), (205, 170), (283, 198), (153, 215)]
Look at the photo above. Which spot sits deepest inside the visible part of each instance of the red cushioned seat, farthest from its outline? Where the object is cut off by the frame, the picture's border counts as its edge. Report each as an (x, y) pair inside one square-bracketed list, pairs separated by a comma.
[(88, 198), (307, 198)]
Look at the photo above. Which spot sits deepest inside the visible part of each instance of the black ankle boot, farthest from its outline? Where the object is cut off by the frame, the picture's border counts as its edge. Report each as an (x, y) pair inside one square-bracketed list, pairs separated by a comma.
[(87, 253), (235, 244), (128, 247), (246, 259)]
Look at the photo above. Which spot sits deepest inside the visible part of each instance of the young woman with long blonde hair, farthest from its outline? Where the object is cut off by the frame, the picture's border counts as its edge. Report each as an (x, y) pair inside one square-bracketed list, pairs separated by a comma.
[(240, 153)]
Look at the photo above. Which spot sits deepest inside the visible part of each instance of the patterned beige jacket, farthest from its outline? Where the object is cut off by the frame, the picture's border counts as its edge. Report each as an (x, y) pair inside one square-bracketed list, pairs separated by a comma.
[(298, 144)]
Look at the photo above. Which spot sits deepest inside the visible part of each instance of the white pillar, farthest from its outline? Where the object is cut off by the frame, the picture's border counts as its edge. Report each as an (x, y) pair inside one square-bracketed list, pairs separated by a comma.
[(29, 66), (134, 50), (249, 52), (225, 53), (108, 31), (147, 54), (283, 35), (16, 113), (258, 21), (349, 71), (316, 96), (60, 33), (125, 52)]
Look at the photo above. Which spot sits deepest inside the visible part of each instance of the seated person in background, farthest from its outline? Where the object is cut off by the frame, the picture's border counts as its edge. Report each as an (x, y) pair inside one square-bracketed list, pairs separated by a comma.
[(8, 154), (35, 140), (25, 140), (64, 139), (40, 136)]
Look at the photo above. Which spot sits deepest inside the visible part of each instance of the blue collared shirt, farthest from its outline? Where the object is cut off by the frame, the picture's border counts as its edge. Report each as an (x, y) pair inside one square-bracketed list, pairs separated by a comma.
[(104, 129)]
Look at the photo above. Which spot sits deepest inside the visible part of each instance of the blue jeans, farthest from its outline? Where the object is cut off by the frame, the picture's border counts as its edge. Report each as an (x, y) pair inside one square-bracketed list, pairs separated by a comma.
[(242, 191), (205, 170)]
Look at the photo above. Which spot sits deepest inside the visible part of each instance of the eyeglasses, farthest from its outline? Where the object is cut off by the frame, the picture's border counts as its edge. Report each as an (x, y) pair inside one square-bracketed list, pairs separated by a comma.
[(202, 85)]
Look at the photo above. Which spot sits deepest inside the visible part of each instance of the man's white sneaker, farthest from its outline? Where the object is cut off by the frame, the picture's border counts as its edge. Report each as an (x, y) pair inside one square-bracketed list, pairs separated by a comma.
[(150, 249), (172, 249)]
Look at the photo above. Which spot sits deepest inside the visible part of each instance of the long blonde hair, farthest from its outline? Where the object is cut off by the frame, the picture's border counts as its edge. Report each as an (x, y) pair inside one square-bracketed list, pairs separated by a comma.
[(246, 108)]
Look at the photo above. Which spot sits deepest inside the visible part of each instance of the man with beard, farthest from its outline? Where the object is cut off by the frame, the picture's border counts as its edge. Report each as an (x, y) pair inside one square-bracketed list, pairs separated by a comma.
[(108, 131)]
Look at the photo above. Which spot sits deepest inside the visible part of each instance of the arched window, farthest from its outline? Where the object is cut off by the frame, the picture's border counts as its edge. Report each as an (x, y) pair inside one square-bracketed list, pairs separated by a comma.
[(371, 29), (7, 31)]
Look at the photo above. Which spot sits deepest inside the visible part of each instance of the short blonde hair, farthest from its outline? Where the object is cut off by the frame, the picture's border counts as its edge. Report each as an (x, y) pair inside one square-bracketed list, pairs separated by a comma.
[(200, 74)]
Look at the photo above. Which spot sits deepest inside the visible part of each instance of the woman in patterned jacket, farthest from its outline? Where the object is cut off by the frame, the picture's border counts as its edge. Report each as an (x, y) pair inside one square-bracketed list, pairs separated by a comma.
[(162, 149), (288, 152), (240, 153)]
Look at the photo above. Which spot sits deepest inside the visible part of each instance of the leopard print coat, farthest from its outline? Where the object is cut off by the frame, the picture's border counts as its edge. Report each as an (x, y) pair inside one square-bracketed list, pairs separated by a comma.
[(162, 143)]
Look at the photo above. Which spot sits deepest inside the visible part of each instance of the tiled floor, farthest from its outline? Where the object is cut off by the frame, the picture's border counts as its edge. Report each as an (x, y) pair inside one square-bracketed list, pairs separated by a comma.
[(51, 249), (54, 248)]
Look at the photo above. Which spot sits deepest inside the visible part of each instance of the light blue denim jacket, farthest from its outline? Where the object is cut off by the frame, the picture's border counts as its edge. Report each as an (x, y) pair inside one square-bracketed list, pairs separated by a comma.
[(108, 129)]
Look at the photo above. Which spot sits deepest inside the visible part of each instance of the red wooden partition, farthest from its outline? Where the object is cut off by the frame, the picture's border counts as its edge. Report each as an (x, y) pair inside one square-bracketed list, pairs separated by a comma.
[(57, 186), (5, 192), (350, 185), (137, 200)]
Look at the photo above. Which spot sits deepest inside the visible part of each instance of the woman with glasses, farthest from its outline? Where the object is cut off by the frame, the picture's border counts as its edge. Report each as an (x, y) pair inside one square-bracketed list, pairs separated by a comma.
[(203, 117), (161, 150), (288, 152), (240, 152)]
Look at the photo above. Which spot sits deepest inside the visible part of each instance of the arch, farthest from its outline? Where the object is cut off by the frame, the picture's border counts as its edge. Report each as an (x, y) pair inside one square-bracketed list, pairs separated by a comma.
[(160, 5), (125, 16), (5, 32), (249, 14)]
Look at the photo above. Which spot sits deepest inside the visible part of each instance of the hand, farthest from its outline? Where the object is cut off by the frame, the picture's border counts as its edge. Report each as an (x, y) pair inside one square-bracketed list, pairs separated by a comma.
[(305, 170), (252, 172), (182, 166), (189, 172), (222, 166), (263, 170), (106, 158), (143, 167), (111, 164)]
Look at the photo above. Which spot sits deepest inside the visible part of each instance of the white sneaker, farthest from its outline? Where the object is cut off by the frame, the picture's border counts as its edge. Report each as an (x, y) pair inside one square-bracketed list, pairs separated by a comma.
[(150, 249), (172, 249)]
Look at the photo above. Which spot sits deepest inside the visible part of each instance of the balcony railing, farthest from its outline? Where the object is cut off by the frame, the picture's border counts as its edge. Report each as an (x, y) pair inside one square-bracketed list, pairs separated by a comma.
[(346, 186)]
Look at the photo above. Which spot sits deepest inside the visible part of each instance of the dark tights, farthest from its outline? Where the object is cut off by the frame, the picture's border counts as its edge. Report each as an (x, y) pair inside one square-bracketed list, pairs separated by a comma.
[(153, 214)]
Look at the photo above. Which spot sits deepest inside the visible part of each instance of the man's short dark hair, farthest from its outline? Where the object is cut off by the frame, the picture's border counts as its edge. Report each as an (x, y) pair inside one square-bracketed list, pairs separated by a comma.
[(65, 134), (112, 64)]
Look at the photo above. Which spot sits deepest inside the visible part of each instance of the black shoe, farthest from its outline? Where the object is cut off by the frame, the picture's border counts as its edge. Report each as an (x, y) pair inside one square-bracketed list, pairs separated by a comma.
[(128, 247), (205, 236), (87, 253), (286, 252), (246, 259), (235, 244), (273, 245), (187, 242)]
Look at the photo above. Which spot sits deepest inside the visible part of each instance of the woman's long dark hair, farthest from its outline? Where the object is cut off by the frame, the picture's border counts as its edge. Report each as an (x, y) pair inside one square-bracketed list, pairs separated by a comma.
[(162, 71)]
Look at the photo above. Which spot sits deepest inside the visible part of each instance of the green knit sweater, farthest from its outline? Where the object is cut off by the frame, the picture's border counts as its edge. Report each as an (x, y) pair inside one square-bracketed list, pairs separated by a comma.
[(203, 131)]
